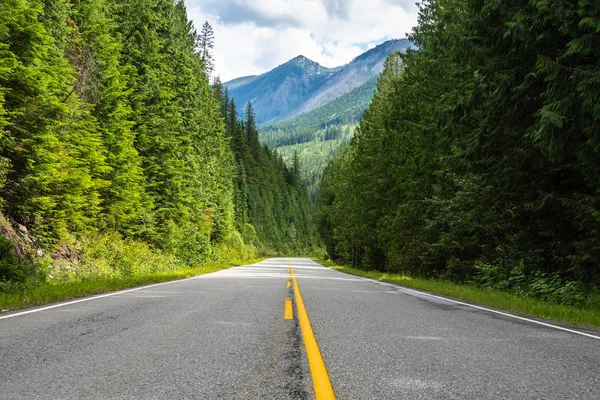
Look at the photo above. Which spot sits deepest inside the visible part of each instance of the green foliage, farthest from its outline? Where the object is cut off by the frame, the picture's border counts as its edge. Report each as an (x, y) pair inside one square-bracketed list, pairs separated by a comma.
[(584, 314), (119, 157), (102, 82), (9, 263), (480, 148), (272, 207), (237, 248), (109, 256), (190, 245), (318, 134), (315, 155), (550, 287), (52, 151)]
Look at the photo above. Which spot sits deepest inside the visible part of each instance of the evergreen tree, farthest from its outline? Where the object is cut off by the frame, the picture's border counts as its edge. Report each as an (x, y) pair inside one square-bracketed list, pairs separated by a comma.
[(51, 145), (108, 124), (251, 139), (102, 83), (205, 45), (268, 205), (477, 150)]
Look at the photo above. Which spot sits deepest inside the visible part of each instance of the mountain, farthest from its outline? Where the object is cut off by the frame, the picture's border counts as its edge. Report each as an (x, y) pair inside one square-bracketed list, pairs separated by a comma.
[(316, 135), (310, 111), (301, 85), (239, 82), (346, 109), (277, 93), (355, 74)]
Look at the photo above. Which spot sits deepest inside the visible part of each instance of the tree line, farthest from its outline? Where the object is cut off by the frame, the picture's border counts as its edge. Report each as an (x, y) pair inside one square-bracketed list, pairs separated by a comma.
[(478, 158), (108, 124), (271, 198)]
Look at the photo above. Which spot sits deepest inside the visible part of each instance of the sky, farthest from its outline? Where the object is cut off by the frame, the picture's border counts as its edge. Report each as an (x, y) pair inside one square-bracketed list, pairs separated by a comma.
[(255, 36)]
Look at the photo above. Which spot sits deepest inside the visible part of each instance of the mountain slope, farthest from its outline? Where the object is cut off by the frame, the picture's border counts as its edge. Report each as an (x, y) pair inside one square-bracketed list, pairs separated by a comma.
[(355, 74), (277, 93), (315, 136), (302, 85), (346, 109)]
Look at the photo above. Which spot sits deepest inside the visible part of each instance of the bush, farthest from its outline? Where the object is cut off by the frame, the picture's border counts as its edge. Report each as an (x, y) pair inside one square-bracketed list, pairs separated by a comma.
[(9, 263), (234, 250), (109, 256), (188, 243), (550, 287)]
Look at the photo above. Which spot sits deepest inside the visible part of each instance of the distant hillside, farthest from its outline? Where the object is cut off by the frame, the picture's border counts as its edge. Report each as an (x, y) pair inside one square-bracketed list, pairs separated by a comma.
[(301, 85), (326, 116), (276, 94), (344, 110), (316, 135), (355, 74)]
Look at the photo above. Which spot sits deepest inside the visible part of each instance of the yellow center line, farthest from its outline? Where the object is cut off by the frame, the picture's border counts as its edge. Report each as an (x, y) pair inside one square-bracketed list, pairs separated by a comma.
[(288, 313), (320, 376)]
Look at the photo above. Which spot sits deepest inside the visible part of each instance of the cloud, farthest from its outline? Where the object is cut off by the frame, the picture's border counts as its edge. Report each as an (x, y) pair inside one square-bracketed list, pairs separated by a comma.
[(337, 8), (255, 36), (406, 4), (235, 12)]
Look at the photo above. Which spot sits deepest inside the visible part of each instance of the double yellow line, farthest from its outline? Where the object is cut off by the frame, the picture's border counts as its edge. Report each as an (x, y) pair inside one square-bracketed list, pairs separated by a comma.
[(320, 376)]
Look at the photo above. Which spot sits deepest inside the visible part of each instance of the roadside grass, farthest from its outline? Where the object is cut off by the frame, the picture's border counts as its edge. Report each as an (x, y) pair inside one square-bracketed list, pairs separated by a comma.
[(48, 292), (527, 306)]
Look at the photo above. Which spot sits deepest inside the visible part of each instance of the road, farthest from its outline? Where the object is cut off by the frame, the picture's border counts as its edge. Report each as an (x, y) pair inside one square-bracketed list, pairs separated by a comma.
[(224, 335)]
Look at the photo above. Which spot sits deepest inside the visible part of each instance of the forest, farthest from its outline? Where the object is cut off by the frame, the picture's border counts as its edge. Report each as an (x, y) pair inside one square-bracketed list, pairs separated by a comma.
[(118, 156), (478, 158), (315, 136)]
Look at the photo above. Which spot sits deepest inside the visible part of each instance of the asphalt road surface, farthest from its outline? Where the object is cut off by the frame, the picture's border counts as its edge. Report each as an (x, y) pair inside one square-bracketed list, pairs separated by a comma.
[(224, 335)]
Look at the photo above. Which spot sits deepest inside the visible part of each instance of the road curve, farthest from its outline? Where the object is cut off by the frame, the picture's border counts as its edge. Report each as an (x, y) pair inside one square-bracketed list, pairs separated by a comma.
[(224, 335)]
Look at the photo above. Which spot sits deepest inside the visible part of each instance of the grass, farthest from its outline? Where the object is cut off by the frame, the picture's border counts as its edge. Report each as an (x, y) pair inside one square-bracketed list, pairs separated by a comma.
[(587, 317), (48, 292)]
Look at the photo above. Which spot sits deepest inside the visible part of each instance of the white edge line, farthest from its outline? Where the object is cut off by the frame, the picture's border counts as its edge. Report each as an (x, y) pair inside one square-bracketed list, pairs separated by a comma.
[(478, 307), (101, 296)]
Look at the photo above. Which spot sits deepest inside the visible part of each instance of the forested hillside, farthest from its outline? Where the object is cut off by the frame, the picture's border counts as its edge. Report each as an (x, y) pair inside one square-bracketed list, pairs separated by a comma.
[(326, 119), (353, 75), (314, 137), (271, 201), (302, 85), (322, 123), (279, 92), (478, 158), (117, 155)]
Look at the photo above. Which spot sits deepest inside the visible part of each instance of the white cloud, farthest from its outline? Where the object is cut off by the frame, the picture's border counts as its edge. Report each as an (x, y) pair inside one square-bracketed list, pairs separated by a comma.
[(255, 36)]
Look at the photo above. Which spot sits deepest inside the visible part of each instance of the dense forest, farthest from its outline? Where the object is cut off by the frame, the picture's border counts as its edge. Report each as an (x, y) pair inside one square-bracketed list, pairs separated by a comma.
[(115, 150), (271, 200), (479, 157), (315, 136), (314, 155)]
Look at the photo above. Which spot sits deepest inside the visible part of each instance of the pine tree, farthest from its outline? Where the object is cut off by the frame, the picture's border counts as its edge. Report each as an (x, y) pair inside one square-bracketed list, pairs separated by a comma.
[(108, 124), (252, 140), (205, 44), (102, 83), (52, 142)]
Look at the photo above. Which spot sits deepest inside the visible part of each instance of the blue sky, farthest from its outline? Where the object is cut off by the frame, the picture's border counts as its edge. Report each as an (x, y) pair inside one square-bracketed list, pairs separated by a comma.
[(255, 36)]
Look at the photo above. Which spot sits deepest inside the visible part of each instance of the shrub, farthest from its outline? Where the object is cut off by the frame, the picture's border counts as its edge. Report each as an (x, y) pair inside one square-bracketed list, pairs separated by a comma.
[(550, 287), (9, 263)]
